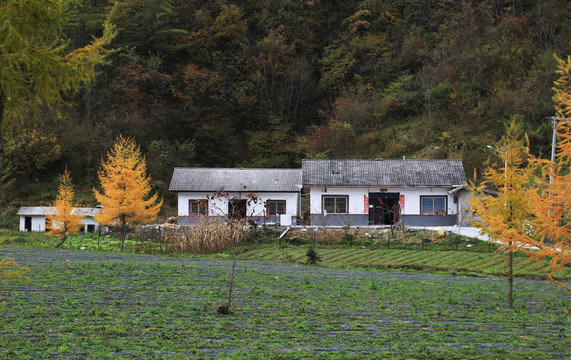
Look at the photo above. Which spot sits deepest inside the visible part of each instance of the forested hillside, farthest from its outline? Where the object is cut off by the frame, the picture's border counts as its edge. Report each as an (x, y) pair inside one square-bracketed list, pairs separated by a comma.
[(267, 83)]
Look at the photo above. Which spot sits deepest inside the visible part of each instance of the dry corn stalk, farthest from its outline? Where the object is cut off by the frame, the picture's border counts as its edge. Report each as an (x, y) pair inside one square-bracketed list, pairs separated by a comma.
[(205, 236)]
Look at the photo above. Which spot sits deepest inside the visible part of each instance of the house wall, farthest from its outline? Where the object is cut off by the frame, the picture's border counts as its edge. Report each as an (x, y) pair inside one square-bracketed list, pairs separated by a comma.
[(38, 223), (466, 216), (218, 207), (89, 220), (358, 215)]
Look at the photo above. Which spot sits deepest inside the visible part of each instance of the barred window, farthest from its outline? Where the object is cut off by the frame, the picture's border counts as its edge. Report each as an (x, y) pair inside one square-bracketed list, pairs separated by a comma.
[(276, 207), (335, 204)]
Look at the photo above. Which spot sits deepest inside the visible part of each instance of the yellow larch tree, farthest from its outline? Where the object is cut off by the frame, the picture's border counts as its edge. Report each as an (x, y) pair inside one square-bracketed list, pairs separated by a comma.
[(10, 270), (551, 198), (126, 188), (505, 217), (61, 220)]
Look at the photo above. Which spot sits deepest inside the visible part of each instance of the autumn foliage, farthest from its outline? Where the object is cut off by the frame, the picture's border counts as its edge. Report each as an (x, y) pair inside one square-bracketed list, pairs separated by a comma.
[(61, 220), (10, 270), (552, 209), (126, 188), (505, 217), (534, 219), (551, 198)]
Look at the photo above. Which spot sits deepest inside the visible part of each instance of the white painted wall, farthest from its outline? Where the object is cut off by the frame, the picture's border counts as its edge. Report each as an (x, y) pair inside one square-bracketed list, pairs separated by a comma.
[(219, 206), (356, 198), (38, 223)]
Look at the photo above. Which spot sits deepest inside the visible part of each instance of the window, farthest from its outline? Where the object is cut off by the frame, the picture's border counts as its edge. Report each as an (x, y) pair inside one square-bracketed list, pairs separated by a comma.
[(335, 204), (433, 205), (198, 207), (276, 207)]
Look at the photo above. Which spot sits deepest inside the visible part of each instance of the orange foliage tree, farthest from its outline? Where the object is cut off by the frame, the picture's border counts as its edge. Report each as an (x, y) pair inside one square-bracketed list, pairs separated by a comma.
[(505, 217), (551, 198), (61, 219), (126, 188), (10, 270)]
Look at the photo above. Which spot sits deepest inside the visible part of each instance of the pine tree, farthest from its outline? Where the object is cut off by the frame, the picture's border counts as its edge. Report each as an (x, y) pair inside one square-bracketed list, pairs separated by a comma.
[(505, 217), (551, 198), (552, 209), (62, 221), (10, 270), (126, 188), (36, 67)]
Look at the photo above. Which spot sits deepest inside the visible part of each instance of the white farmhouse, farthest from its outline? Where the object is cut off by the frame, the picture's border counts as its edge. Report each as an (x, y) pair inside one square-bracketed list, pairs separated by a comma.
[(34, 218), (219, 192), (382, 192)]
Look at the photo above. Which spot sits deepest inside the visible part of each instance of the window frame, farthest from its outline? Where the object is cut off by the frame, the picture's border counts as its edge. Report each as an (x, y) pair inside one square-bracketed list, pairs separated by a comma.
[(198, 202), (275, 201), (422, 197), (346, 197)]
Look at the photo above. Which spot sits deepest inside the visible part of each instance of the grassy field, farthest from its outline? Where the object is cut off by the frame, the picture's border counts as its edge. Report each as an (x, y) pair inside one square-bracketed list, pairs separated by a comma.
[(467, 263), (85, 304), (447, 255)]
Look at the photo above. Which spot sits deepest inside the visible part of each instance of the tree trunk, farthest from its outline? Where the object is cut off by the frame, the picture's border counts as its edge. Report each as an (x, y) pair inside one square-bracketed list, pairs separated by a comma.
[(1, 135), (64, 236), (123, 230), (233, 273), (510, 279)]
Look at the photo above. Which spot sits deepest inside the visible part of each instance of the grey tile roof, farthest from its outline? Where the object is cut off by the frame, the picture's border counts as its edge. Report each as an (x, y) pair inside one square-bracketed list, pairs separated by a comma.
[(383, 173), (39, 210), (33, 210), (246, 180)]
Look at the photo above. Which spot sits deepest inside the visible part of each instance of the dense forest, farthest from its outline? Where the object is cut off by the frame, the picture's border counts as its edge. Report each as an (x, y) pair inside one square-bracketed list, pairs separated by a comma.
[(267, 83)]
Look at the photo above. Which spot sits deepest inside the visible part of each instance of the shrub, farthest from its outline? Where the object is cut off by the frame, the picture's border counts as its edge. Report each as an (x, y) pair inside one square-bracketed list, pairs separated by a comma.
[(312, 257)]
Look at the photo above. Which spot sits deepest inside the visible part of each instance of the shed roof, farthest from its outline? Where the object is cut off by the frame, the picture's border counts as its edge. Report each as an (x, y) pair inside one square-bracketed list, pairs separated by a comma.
[(249, 180), (428, 173), (41, 211)]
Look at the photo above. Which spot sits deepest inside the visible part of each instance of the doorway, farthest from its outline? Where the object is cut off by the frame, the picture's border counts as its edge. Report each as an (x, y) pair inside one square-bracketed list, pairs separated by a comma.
[(28, 223), (237, 208), (384, 208)]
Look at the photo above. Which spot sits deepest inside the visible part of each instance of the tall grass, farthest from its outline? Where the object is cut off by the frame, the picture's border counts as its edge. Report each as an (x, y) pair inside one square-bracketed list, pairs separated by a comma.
[(204, 237)]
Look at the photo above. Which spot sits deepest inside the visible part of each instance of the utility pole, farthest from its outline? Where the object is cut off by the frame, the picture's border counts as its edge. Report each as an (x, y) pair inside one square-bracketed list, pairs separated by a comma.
[(554, 121)]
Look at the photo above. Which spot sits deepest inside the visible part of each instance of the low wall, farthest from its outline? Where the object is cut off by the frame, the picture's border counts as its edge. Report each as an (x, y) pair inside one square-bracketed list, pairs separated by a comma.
[(362, 220)]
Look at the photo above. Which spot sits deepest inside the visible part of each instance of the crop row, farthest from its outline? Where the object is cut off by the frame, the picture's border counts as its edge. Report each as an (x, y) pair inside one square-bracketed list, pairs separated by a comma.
[(83, 304)]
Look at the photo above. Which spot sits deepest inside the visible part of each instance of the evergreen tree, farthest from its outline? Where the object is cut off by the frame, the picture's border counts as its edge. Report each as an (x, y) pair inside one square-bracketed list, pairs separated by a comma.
[(63, 221), (36, 67), (551, 197), (505, 217), (126, 188)]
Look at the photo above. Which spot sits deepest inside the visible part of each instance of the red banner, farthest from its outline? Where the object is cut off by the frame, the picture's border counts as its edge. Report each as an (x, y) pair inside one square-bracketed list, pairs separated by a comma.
[(402, 203), (366, 202)]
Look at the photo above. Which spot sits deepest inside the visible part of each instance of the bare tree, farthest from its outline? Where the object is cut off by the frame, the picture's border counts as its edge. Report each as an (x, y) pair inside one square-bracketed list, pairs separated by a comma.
[(238, 219)]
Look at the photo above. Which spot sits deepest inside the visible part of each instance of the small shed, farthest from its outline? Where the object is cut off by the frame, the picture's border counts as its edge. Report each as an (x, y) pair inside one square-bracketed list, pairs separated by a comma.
[(34, 218)]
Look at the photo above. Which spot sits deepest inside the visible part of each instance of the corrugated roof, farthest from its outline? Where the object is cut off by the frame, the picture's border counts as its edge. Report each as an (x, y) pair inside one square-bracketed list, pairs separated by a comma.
[(383, 173), (39, 210), (249, 180)]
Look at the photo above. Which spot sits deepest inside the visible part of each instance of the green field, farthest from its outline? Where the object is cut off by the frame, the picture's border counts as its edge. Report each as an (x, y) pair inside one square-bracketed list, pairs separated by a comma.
[(85, 304), (467, 263)]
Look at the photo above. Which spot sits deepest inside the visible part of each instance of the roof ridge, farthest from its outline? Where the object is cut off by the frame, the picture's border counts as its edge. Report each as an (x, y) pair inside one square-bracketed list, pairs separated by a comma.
[(382, 160), (228, 168)]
